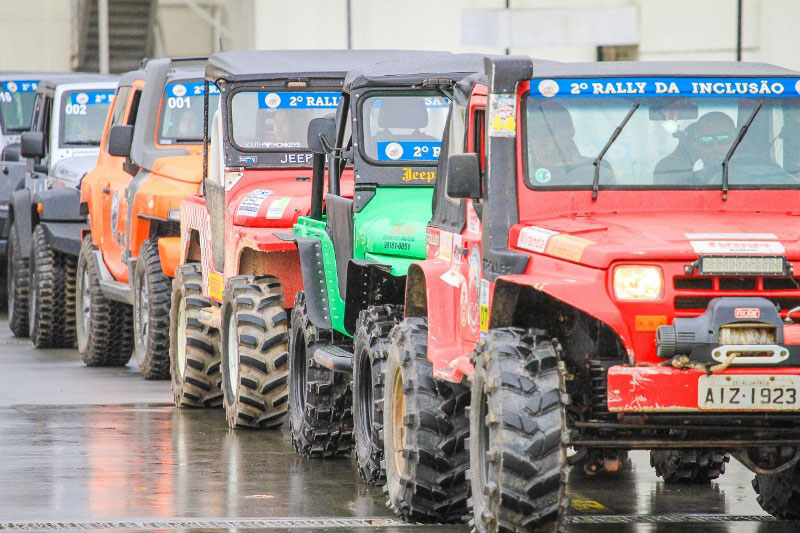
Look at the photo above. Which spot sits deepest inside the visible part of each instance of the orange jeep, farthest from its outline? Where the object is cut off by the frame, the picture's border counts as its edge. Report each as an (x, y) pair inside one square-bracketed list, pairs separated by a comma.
[(151, 158)]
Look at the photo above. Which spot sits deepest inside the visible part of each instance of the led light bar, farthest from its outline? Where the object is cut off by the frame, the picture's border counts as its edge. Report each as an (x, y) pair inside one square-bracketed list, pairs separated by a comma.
[(773, 265)]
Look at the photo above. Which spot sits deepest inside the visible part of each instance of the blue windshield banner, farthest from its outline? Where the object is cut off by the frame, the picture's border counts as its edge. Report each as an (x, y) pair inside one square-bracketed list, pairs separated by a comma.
[(306, 100), (19, 86), (193, 88), (695, 87), (91, 97), (431, 102), (409, 150)]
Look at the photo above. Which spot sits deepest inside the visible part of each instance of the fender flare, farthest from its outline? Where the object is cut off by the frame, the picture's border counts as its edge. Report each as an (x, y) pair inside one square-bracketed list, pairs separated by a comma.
[(20, 212), (314, 284), (59, 205)]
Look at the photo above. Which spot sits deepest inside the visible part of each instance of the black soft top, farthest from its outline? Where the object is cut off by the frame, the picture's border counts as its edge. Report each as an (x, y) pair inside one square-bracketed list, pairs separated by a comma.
[(51, 83), (660, 69), (415, 69), (241, 65)]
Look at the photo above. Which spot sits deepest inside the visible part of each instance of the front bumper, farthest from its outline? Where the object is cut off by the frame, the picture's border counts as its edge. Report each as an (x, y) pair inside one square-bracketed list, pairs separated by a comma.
[(662, 389)]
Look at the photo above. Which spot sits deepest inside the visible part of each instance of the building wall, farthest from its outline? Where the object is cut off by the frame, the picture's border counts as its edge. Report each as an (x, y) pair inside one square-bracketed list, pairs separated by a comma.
[(25, 48)]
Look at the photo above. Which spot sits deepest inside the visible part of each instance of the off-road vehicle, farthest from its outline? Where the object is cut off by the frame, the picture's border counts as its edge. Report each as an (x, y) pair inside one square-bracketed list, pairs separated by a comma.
[(613, 269), (45, 224), (132, 198), (236, 285), (355, 258)]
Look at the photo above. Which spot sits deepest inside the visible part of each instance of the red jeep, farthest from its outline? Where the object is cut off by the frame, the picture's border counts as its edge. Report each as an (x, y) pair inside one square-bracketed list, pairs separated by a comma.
[(238, 276), (610, 267)]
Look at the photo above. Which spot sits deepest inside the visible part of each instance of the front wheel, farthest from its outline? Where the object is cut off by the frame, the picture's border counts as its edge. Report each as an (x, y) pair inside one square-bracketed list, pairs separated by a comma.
[(194, 346), (151, 302), (424, 434), (105, 330), (515, 431), (320, 415), (52, 303), (255, 353), (18, 278)]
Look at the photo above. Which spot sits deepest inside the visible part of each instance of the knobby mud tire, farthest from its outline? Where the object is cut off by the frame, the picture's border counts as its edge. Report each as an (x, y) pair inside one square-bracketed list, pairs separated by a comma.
[(258, 397), (151, 347), (369, 372), (425, 432), (199, 383), (18, 279), (779, 494), (515, 432), (108, 339), (51, 295), (320, 400), (688, 466)]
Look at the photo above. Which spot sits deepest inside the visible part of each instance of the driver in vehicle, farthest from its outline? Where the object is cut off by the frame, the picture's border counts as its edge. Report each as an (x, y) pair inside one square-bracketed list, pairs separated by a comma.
[(554, 157)]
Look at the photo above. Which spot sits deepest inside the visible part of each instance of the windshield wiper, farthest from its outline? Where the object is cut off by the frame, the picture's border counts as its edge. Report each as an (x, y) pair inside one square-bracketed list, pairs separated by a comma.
[(734, 146), (599, 158)]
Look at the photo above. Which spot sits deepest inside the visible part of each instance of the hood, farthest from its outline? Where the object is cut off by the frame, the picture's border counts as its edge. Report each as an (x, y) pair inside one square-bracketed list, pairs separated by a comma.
[(72, 169), (597, 240)]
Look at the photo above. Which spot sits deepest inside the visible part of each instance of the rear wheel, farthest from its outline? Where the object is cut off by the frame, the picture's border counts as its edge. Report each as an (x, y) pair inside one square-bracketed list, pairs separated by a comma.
[(194, 346), (18, 278), (369, 372), (52, 303), (320, 415), (779, 494), (105, 327), (689, 466), (255, 355), (425, 432), (515, 431), (151, 299)]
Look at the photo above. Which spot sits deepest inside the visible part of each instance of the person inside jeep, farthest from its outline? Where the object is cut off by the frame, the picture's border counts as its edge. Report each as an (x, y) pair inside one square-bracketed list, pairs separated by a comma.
[(554, 157)]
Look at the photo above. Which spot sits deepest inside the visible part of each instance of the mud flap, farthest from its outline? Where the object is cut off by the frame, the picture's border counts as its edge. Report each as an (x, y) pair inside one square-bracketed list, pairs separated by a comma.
[(314, 286), (370, 283)]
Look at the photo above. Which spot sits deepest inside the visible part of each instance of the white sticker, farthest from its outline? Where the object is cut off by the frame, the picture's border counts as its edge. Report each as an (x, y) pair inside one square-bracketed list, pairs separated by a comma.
[(446, 245), (231, 179), (272, 100), (737, 247), (534, 239), (732, 236), (81, 98), (452, 277), (394, 151), (179, 90), (473, 222), (251, 203), (277, 207)]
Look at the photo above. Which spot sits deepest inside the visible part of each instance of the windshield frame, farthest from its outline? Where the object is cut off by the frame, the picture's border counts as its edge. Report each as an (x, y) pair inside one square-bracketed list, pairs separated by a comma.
[(163, 106), (280, 87), (33, 92), (358, 122), (63, 101), (522, 144)]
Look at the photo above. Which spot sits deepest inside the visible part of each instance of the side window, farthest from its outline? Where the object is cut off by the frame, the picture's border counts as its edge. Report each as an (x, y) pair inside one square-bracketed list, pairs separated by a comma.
[(134, 107), (479, 136), (120, 104)]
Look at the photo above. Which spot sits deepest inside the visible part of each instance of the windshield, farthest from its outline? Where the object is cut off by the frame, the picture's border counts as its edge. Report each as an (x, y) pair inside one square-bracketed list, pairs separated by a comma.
[(404, 128), (83, 116), (678, 136), (182, 112), (16, 104), (278, 121)]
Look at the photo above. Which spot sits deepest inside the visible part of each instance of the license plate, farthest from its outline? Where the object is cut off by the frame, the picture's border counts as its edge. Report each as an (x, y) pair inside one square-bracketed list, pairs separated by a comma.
[(774, 393)]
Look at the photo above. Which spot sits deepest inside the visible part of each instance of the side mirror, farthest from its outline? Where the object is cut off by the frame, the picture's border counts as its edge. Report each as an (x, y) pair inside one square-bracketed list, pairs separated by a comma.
[(120, 138), (321, 128), (463, 176), (32, 144)]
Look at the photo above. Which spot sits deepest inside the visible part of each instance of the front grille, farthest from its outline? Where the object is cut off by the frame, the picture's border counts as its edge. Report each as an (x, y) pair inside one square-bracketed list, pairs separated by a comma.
[(693, 293), (738, 284), (698, 303)]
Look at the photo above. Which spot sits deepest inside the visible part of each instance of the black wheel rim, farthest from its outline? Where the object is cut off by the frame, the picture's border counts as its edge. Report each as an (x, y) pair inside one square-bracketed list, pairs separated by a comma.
[(366, 402), (298, 376)]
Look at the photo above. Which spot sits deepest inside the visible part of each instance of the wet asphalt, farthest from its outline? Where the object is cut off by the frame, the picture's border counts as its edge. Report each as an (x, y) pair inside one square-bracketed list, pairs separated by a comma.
[(102, 449)]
